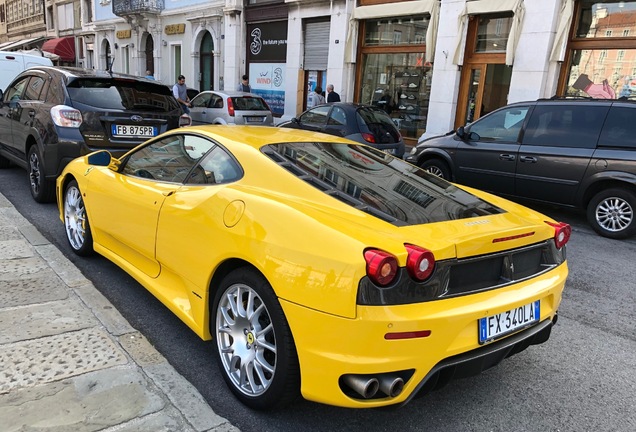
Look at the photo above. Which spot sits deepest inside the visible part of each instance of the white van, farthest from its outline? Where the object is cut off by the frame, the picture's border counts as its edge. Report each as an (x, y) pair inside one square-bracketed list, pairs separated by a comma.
[(12, 63)]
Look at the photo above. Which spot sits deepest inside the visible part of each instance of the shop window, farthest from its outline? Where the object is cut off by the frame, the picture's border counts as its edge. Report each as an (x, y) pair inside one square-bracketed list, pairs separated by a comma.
[(492, 33), (596, 18), (616, 79), (396, 31)]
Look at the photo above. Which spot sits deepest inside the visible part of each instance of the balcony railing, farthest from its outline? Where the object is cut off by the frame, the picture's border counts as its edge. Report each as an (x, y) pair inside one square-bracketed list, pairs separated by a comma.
[(124, 8)]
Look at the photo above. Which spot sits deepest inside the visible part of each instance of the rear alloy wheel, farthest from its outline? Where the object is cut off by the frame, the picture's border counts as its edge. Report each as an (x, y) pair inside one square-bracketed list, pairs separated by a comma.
[(78, 230), (437, 167), (611, 213), (42, 190), (255, 348)]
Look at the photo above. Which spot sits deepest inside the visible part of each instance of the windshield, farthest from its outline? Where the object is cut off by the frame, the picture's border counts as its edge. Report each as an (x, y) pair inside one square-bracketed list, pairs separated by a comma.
[(378, 183), (115, 94)]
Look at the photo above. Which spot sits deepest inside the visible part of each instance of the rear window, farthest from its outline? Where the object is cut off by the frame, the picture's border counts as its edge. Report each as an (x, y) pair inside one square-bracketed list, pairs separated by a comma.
[(565, 125), (113, 94), (248, 103), (377, 122), (619, 129), (376, 183)]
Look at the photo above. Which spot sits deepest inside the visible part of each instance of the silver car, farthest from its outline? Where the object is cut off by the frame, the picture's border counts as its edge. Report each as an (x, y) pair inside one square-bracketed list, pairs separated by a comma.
[(214, 107)]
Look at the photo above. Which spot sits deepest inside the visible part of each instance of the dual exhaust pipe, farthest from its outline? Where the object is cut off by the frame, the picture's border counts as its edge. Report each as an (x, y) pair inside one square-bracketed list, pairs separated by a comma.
[(368, 386)]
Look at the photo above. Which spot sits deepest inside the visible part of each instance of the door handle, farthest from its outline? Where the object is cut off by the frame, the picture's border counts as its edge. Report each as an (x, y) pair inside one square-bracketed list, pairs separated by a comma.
[(507, 157), (528, 159)]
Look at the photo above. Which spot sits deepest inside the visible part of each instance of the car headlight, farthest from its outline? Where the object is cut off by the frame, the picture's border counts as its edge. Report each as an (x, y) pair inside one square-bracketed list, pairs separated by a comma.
[(413, 151)]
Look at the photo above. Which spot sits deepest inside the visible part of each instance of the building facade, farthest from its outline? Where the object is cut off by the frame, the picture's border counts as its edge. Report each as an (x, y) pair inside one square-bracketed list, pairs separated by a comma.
[(432, 65)]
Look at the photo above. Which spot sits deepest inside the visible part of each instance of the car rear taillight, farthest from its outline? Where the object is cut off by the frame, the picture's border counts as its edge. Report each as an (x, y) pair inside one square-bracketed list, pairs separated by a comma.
[(185, 120), (381, 266), (368, 137), (66, 116), (230, 107), (562, 232), (420, 262)]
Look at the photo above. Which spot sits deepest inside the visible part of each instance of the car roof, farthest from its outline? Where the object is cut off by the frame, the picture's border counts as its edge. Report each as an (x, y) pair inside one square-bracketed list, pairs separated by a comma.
[(257, 136), (73, 72), (229, 93)]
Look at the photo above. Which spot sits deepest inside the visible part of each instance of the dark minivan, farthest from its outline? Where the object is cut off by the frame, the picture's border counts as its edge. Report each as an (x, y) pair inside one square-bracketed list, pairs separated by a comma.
[(572, 152), (51, 115)]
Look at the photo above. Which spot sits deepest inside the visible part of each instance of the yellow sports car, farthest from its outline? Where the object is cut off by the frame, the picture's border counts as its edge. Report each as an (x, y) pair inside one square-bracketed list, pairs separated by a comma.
[(320, 267)]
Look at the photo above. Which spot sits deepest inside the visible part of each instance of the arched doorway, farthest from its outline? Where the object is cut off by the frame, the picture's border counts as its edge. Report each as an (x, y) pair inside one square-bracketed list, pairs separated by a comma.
[(150, 60), (207, 62), (106, 57)]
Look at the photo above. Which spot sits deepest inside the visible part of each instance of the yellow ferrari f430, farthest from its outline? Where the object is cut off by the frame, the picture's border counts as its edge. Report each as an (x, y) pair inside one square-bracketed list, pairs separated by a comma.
[(318, 266)]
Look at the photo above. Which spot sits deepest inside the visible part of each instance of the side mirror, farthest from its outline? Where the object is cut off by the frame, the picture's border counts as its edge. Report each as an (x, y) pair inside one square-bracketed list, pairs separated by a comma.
[(99, 158), (1, 98), (473, 136), (460, 132), (295, 120)]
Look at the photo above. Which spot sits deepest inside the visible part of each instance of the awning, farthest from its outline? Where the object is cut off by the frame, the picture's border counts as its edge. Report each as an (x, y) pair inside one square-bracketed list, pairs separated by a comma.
[(21, 43), (64, 47)]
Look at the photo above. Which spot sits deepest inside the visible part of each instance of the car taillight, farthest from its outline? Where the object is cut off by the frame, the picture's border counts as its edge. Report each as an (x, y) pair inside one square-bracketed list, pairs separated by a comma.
[(66, 116), (562, 232), (230, 107), (368, 137), (185, 120), (381, 266), (420, 262)]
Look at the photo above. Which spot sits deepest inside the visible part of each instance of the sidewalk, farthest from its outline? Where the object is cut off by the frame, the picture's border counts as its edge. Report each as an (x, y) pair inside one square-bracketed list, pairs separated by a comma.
[(69, 361)]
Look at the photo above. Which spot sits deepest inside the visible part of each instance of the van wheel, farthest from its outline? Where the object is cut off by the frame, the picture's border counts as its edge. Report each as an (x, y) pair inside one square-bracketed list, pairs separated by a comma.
[(437, 167), (611, 213), (42, 190)]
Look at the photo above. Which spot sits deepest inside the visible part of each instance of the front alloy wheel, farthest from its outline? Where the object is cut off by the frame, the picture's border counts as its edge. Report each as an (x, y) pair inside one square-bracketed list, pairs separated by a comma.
[(611, 213), (254, 344), (76, 222)]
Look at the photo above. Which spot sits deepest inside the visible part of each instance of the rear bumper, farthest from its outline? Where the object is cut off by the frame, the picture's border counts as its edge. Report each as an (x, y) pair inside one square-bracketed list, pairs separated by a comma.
[(331, 347)]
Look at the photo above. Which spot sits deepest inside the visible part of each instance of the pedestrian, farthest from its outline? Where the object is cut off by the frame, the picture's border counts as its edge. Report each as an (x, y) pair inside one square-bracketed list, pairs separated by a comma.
[(315, 98), (149, 75), (180, 92), (244, 86), (332, 96)]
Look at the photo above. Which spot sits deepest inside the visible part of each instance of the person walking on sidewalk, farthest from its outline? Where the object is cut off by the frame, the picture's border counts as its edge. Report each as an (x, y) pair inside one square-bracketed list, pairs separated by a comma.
[(180, 92), (332, 96), (315, 98)]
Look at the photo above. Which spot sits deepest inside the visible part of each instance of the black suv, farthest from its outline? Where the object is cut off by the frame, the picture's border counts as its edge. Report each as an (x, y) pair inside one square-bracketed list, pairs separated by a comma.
[(51, 115), (572, 152)]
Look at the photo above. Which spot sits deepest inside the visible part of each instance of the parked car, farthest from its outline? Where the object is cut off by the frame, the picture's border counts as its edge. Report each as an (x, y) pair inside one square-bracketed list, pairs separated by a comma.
[(230, 107), (320, 266), (51, 115), (361, 123), (570, 152)]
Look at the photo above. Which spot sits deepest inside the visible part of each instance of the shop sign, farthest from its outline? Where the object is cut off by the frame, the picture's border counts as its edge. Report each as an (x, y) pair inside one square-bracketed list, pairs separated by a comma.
[(268, 81), (267, 42), (172, 29), (123, 34)]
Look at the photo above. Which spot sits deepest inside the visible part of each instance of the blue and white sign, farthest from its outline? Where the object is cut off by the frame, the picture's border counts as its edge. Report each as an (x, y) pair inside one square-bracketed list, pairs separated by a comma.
[(268, 81)]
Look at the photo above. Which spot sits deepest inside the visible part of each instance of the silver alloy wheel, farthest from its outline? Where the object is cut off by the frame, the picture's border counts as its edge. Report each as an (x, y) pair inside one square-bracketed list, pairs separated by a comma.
[(246, 340), (34, 172), (74, 217), (614, 214), (435, 170)]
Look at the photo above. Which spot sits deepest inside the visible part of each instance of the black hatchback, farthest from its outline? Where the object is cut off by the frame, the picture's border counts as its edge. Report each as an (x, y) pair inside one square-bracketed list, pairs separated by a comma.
[(51, 115), (361, 123)]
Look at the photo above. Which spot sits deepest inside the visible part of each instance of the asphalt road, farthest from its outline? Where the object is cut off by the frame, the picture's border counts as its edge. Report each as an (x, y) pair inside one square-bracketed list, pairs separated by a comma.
[(582, 379)]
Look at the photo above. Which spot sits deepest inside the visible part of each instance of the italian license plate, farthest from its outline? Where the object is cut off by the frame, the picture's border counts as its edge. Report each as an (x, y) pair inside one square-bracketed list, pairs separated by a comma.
[(133, 131), (495, 326), (254, 119)]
